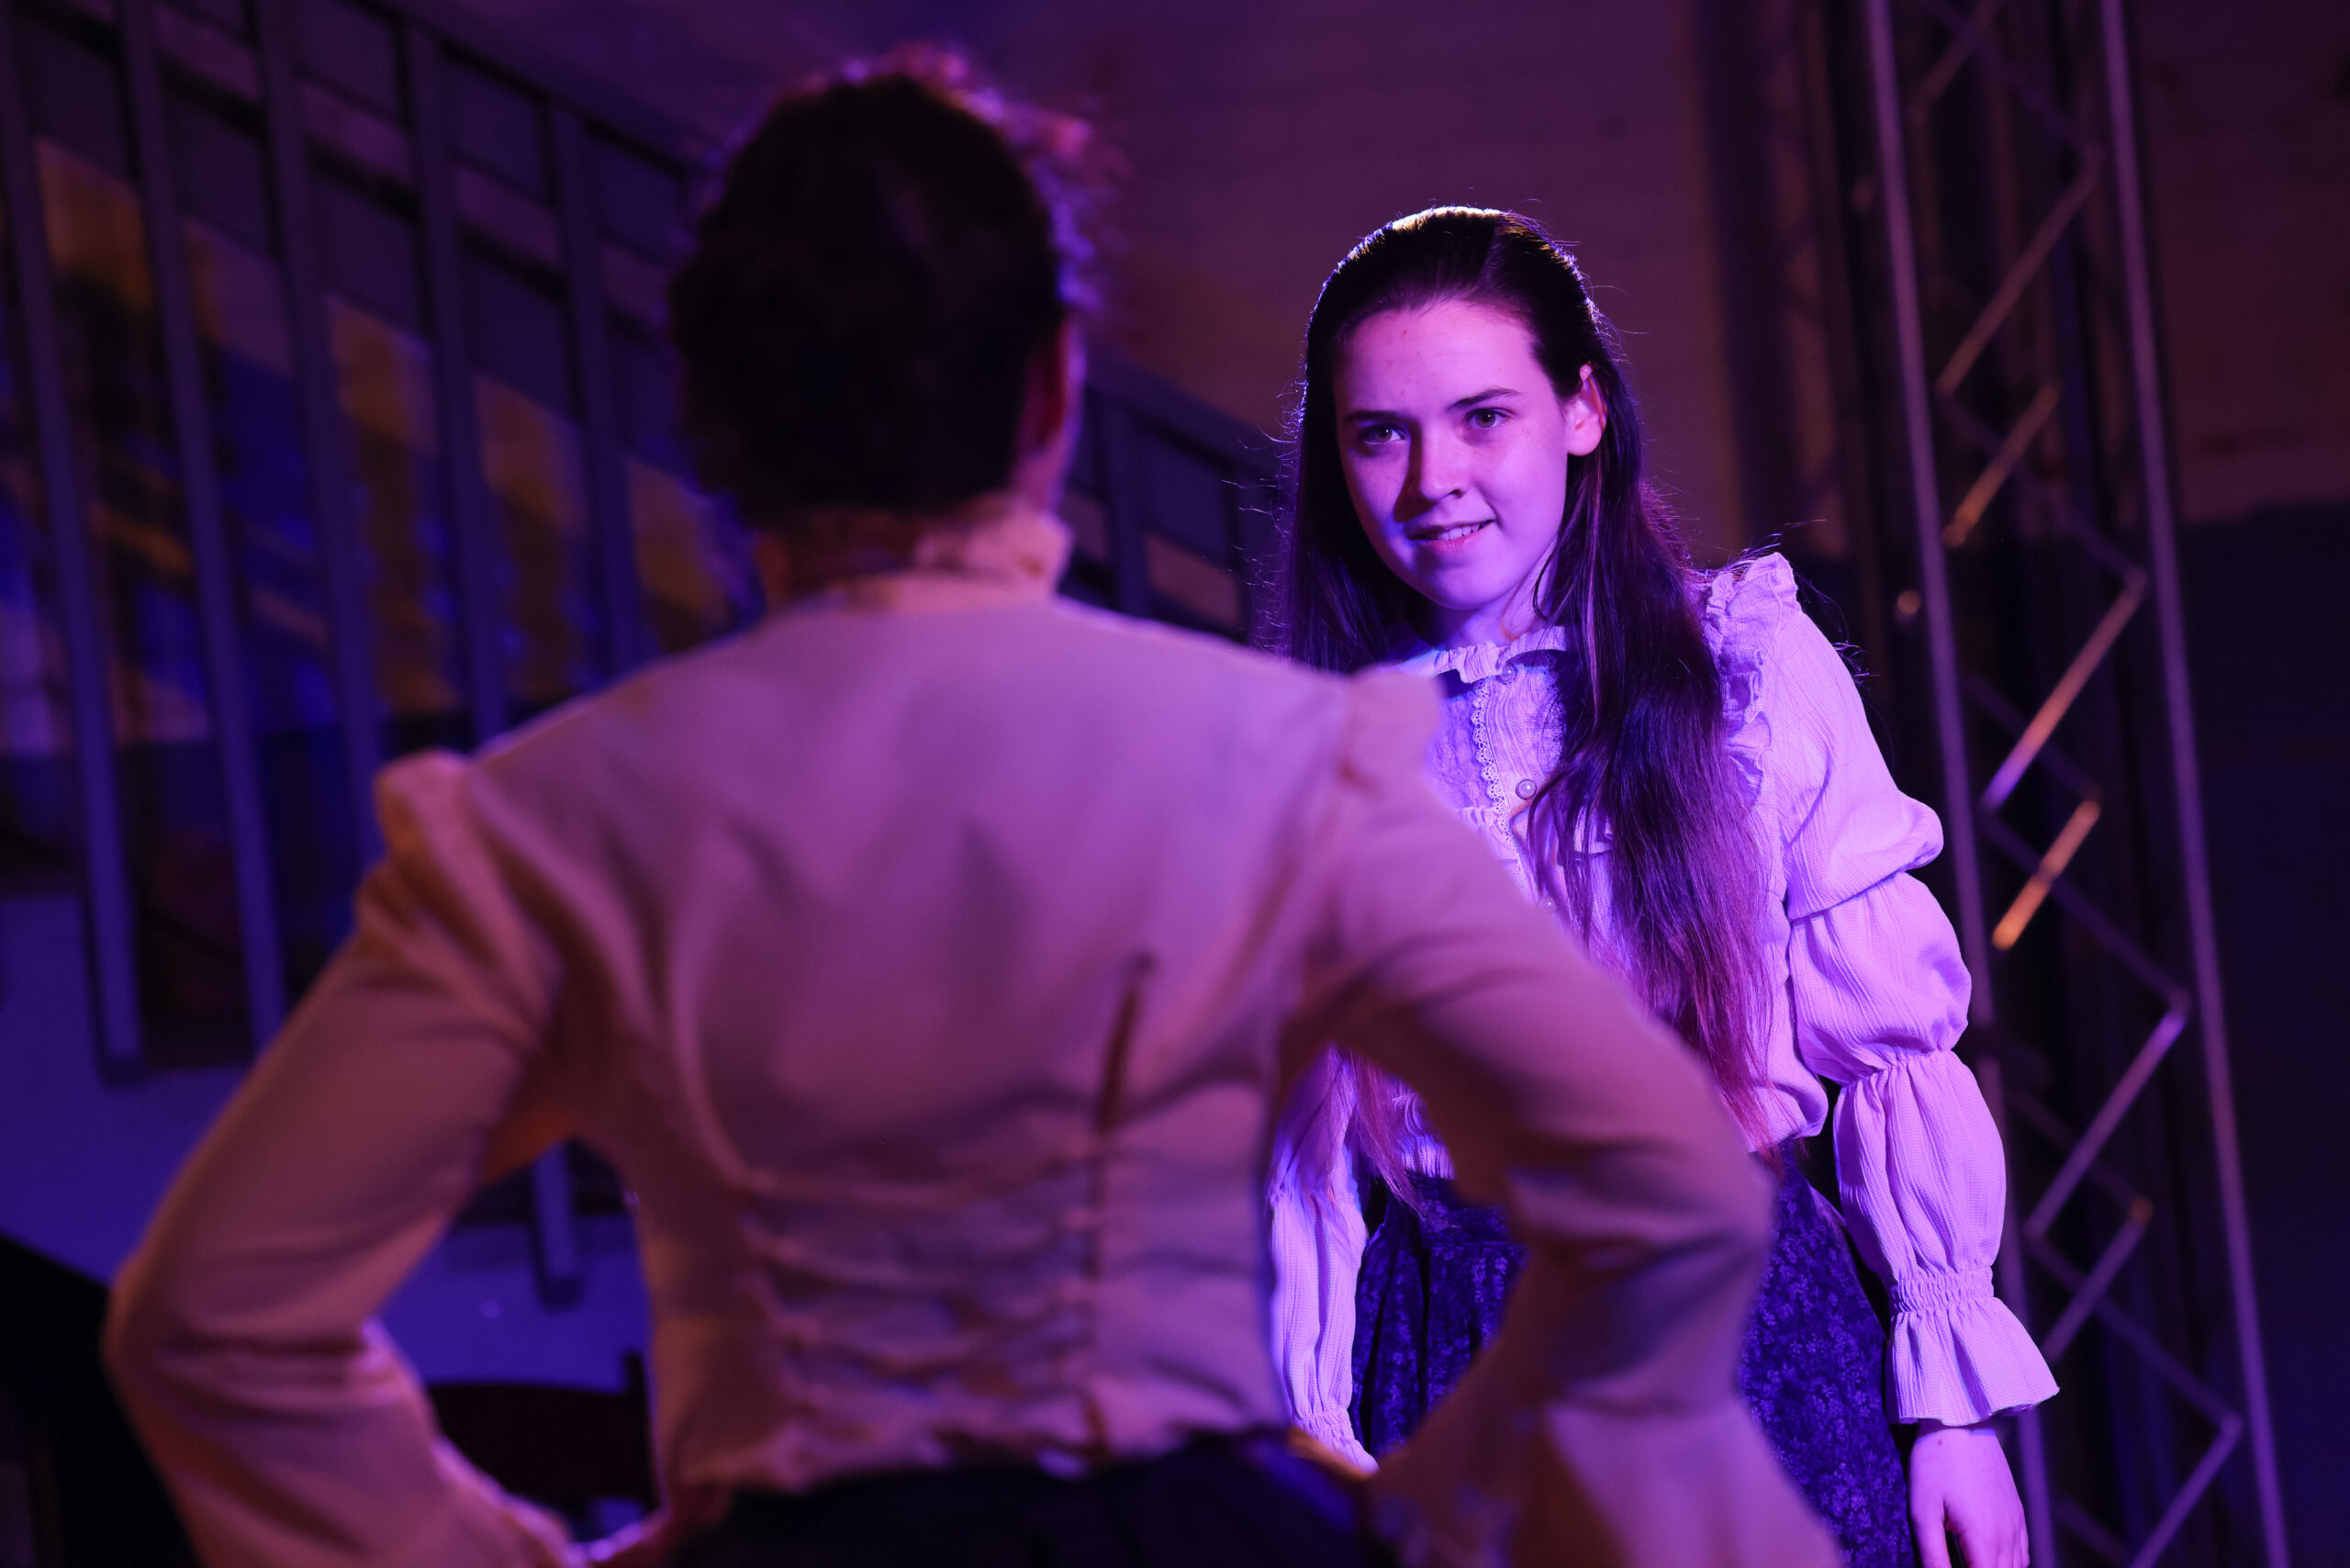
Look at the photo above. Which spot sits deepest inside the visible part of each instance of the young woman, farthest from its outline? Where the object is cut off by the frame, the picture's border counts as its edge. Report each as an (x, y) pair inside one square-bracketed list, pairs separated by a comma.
[(1676, 763)]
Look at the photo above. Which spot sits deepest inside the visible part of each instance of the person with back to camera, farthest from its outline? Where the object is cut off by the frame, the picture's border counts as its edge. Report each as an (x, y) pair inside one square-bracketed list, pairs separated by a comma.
[(929, 961), (1676, 764)]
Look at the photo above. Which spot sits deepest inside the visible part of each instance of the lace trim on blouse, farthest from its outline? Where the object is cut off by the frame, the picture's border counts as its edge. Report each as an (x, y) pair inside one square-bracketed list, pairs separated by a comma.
[(1744, 608)]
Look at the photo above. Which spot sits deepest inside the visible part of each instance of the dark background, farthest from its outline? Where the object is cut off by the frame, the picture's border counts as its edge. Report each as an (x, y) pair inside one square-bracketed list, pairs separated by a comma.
[(1666, 140)]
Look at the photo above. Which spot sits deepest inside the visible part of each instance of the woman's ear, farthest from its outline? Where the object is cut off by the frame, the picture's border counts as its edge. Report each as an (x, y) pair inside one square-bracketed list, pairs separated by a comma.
[(1586, 412), (1048, 417)]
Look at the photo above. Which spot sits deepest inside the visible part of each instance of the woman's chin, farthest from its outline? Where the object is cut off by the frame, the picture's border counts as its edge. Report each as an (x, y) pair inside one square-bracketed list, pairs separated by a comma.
[(1470, 588)]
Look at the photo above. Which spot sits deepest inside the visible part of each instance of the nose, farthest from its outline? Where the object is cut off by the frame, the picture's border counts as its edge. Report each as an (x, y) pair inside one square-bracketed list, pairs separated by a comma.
[(1439, 472)]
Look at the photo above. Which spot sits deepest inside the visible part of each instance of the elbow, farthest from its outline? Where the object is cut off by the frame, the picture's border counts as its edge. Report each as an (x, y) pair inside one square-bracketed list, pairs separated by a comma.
[(1738, 1193), (131, 1342), (1751, 1226), (144, 1329), (1713, 1207), (1694, 1208), (1699, 1278), (1750, 1220)]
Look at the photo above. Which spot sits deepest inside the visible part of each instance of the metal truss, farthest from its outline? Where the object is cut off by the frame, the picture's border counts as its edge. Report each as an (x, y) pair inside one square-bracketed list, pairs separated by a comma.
[(2015, 286)]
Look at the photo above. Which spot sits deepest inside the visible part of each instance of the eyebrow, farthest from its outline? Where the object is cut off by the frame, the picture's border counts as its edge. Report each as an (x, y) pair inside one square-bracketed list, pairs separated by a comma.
[(1356, 416)]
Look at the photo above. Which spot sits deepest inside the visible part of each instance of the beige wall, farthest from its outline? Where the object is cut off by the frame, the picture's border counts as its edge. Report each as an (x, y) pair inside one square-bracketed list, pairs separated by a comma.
[(1266, 136), (2247, 114)]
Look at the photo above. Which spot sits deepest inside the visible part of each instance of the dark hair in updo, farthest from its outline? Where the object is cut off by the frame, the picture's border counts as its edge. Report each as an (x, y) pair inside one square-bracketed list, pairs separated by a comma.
[(892, 248)]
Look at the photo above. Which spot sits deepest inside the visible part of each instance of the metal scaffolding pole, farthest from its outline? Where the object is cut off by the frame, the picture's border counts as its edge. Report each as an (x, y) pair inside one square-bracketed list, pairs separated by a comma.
[(213, 536), (2070, 192), (2154, 454), (1949, 714), (106, 872)]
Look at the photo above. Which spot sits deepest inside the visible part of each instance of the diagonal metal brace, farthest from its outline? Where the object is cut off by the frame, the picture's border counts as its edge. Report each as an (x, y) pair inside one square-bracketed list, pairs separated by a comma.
[(1994, 477), (1965, 41), (2100, 1129), (2190, 1492), (2043, 876), (2066, 690), (2027, 265), (2059, 1337)]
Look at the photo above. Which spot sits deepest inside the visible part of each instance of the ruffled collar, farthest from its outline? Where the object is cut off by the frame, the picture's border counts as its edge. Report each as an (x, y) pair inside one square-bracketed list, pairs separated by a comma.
[(995, 551), (1743, 609), (1475, 662)]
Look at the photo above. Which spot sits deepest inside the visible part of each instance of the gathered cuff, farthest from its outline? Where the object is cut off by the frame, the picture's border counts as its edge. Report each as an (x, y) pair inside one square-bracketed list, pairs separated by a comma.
[(1335, 1430), (1958, 1355)]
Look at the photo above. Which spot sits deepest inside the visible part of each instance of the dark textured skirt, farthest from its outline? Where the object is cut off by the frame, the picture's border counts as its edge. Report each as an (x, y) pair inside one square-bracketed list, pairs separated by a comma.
[(1246, 1502), (1812, 1368)]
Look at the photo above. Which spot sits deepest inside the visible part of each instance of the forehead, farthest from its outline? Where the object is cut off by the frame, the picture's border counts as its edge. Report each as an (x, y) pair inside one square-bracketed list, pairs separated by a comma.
[(1435, 354)]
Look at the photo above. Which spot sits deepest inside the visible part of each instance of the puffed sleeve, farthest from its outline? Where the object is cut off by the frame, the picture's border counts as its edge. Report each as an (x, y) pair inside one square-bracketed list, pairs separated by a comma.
[(1878, 996), (1314, 1229), (288, 1427), (1601, 1426)]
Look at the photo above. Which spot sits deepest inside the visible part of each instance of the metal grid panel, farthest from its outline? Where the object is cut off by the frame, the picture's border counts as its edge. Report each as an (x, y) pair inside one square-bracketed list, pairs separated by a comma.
[(322, 440), (227, 686), (2061, 347), (386, 157), (105, 877)]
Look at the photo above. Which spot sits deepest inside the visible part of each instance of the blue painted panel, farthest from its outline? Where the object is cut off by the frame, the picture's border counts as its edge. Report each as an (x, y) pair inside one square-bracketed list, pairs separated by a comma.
[(83, 1164)]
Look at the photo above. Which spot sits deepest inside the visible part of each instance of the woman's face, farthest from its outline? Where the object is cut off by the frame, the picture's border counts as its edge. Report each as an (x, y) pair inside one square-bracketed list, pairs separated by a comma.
[(1454, 449)]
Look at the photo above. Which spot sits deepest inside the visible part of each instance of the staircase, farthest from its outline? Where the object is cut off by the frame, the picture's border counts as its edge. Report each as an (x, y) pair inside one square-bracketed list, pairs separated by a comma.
[(334, 423)]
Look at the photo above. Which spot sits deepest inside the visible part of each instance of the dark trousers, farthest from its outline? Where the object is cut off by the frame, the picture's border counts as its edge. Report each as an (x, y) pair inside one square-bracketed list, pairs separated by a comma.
[(1215, 1503)]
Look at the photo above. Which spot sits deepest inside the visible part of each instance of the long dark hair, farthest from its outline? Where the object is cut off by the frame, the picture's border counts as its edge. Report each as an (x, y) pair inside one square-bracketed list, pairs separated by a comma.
[(1642, 757)]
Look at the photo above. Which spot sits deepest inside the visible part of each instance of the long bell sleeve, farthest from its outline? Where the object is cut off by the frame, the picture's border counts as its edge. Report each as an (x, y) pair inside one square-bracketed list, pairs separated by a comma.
[(1878, 994), (1316, 1234)]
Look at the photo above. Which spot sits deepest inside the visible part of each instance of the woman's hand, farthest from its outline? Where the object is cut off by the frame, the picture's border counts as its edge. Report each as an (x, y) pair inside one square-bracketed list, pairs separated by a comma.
[(656, 1539), (1960, 1484), (648, 1543)]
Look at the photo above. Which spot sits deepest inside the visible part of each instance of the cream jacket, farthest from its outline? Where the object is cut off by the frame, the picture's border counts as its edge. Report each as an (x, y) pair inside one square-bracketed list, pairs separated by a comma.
[(928, 961)]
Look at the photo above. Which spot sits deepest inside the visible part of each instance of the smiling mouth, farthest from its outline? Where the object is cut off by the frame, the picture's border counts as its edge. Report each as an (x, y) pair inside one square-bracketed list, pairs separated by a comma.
[(1451, 535)]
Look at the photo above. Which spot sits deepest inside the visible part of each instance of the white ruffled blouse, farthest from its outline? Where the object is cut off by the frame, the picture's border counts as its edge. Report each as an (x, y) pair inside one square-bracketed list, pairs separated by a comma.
[(1866, 986)]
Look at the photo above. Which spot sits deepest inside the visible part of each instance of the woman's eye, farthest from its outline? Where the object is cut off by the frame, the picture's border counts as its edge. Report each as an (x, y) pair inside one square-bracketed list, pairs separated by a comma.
[(1485, 418), (1378, 436)]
